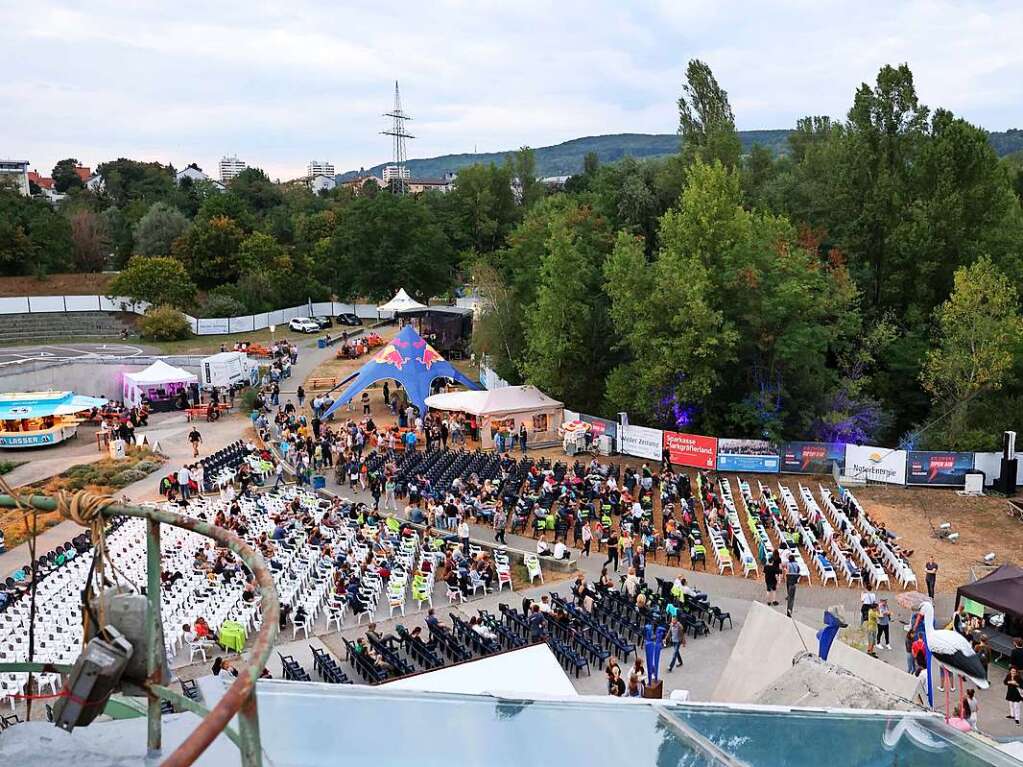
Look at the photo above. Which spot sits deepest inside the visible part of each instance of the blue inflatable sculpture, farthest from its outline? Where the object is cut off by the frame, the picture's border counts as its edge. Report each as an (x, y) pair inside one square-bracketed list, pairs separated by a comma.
[(826, 636)]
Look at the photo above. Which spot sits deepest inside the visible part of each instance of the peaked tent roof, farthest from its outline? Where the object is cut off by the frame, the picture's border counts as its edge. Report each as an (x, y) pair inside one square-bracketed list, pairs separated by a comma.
[(1001, 590), (507, 399), (160, 372), (402, 301), (410, 361)]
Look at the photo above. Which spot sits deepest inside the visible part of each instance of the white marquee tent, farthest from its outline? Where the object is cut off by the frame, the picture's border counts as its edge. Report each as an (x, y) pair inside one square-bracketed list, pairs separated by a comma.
[(402, 302), (506, 409), (159, 381)]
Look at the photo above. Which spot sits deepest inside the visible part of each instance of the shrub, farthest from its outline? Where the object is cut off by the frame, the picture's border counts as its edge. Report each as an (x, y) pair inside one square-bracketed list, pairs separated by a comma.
[(147, 467), (223, 306), (126, 477), (164, 323), (157, 280)]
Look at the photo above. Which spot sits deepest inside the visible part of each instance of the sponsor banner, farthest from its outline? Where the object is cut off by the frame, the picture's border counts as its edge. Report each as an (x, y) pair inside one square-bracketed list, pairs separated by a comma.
[(641, 442), (876, 464), (812, 457), (936, 468), (764, 464), (214, 326), (27, 440), (691, 449), (600, 426)]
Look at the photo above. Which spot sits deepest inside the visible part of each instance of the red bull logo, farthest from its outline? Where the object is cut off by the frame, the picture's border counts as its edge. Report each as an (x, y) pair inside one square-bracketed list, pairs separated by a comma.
[(389, 355), (430, 356)]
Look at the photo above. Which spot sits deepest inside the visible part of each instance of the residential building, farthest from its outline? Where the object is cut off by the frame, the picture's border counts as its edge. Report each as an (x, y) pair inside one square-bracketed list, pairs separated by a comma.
[(14, 173), (94, 182), (395, 172), (83, 173), (321, 183), (319, 168), (356, 184), (230, 167), (41, 181), (193, 172), (419, 185)]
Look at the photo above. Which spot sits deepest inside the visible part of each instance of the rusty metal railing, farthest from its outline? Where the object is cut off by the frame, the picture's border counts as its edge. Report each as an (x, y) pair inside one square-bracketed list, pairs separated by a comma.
[(240, 697)]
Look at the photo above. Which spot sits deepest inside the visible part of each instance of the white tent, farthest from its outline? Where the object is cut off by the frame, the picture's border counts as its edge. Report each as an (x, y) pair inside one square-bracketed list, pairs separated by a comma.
[(401, 302), (159, 381), (507, 399)]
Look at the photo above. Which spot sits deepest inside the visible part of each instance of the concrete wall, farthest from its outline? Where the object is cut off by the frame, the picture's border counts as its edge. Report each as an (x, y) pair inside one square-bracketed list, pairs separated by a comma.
[(94, 378)]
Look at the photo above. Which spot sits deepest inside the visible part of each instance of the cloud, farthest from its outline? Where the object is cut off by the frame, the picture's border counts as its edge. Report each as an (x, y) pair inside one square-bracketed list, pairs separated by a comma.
[(279, 84)]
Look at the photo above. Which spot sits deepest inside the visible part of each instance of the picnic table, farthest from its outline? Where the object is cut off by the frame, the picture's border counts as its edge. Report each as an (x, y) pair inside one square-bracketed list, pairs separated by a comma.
[(196, 413), (325, 382)]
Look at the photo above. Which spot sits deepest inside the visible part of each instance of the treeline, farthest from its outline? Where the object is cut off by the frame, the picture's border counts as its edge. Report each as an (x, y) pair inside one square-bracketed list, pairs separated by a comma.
[(863, 286)]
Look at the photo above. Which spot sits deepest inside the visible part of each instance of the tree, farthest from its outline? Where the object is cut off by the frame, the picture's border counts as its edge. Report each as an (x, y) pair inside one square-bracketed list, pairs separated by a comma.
[(977, 342), (155, 280), (156, 231), (255, 189), (523, 167), (164, 323), (706, 122), (484, 204), (90, 240), (125, 181), (210, 251), (65, 177), (34, 238), (261, 252)]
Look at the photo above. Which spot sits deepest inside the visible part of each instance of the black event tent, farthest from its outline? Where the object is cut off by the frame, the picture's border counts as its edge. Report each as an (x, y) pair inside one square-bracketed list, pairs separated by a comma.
[(1001, 590)]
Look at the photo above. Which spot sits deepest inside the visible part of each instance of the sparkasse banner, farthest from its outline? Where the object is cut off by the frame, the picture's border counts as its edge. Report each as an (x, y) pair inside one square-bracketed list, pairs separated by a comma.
[(692, 449), (877, 464)]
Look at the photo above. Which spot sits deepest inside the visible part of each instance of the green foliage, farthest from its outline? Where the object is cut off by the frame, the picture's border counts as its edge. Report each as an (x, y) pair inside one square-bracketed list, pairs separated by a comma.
[(706, 122), (484, 206), (219, 305), (256, 191), (156, 231), (126, 181), (33, 237), (65, 177), (210, 251), (164, 323), (157, 280)]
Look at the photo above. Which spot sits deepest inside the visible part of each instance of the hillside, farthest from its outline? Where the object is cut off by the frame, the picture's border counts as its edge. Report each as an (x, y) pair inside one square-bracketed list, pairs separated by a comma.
[(567, 158)]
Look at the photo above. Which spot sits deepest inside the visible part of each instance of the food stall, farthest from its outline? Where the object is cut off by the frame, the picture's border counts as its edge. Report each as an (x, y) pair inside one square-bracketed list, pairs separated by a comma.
[(505, 410), (38, 419), (160, 385)]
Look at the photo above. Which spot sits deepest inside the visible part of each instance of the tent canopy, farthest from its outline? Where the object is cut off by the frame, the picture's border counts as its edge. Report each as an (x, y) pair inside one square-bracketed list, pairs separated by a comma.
[(410, 361), (507, 399), (160, 373), (402, 301), (16, 406), (1001, 590)]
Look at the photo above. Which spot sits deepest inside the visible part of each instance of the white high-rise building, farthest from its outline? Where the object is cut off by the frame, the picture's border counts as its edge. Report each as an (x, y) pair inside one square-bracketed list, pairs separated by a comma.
[(230, 167), (395, 172), (319, 168)]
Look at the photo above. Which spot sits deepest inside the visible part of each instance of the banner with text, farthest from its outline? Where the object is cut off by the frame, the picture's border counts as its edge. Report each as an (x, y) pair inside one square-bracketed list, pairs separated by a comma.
[(937, 468), (691, 449), (812, 457), (600, 426), (876, 464), (641, 442), (756, 455)]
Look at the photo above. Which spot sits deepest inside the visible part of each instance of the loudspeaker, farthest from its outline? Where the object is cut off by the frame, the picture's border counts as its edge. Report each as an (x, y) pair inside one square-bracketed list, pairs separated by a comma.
[(1009, 445), (1007, 479)]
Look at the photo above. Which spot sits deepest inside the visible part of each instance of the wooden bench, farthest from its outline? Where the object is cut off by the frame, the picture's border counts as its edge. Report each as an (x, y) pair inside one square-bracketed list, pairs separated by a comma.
[(321, 383), (199, 413)]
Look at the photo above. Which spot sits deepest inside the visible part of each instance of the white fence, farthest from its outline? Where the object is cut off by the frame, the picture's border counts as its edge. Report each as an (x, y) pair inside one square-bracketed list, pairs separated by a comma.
[(203, 326)]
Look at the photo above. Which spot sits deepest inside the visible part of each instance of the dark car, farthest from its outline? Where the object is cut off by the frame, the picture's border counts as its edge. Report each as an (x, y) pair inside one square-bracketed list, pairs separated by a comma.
[(348, 319), (323, 321)]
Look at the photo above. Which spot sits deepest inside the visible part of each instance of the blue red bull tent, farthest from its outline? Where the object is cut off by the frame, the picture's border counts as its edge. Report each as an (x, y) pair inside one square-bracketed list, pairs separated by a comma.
[(410, 361)]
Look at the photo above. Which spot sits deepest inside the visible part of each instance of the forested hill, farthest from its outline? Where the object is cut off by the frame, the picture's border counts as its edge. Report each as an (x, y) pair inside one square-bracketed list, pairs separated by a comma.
[(567, 158)]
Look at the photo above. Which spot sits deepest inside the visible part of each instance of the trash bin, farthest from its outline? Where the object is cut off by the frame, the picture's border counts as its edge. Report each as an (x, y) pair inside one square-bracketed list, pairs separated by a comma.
[(321, 343), (319, 481)]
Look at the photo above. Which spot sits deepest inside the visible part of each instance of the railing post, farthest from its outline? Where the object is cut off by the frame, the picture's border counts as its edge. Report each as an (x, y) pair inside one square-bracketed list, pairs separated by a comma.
[(248, 728), (154, 633)]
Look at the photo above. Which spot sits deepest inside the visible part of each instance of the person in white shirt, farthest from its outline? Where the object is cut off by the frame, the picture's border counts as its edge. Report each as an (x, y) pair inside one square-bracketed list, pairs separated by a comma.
[(184, 477), (560, 550), (868, 599), (463, 534), (545, 604), (542, 549)]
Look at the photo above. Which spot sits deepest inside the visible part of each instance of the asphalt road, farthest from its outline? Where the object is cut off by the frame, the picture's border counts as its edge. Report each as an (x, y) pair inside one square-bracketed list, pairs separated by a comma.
[(13, 355)]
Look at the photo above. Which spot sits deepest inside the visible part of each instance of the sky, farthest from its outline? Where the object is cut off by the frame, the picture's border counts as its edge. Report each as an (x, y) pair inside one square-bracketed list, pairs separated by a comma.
[(279, 84)]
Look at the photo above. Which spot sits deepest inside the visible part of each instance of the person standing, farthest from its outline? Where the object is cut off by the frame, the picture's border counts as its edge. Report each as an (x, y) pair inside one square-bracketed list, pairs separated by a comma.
[(910, 659), (587, 536), (1016, 655), (500, 521), (195, 438), (523, 437), (884, 620), (677, 637), (791, 582), (301, 395), (184, 478), (931, 577), (868, 600), (1012, 693), (463, 534), (389, 501), (772, 571), (871, 630), (612, 549)]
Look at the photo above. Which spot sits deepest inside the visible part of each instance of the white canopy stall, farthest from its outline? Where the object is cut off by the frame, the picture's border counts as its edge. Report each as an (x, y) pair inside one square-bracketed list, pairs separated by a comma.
[(158, 383), (402, 302), (506, 409)]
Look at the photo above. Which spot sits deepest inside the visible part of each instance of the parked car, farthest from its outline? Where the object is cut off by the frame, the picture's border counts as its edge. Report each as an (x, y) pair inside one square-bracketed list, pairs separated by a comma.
[(304, 325), (348, 319), (323, 321)]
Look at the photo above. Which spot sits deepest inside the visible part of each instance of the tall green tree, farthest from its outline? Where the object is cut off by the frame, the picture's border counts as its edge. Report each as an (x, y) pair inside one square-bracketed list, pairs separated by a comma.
[(484, 204), (157, 280), (706, 122), (156, 231), (210, 251), (65, 177)]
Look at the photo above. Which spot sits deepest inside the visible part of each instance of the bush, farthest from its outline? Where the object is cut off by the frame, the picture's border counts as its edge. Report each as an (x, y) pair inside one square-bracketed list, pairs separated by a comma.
[(126, 477), (164, 323), (248, 400), (157, 280), (147, 467), (223, 306)]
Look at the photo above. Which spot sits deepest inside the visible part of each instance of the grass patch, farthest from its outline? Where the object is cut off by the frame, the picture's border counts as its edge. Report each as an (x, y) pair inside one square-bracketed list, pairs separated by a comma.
[(104, 477), (8, 466)]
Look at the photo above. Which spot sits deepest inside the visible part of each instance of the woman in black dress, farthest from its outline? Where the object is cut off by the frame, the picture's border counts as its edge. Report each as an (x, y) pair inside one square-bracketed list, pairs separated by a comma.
[(772, 570)]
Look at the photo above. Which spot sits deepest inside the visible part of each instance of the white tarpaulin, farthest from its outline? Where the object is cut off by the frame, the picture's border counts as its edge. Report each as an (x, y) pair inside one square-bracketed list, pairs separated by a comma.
[(156, 378), (507, 399), (642, 442), (876, 464), (402, 302)]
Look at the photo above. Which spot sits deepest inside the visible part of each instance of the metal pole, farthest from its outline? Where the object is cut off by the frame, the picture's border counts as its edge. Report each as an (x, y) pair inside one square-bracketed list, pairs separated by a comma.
[(248, 728), (154, 633)]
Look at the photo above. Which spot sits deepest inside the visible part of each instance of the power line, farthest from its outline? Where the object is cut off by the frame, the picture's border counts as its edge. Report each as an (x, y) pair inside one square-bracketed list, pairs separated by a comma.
[(398, 134)]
